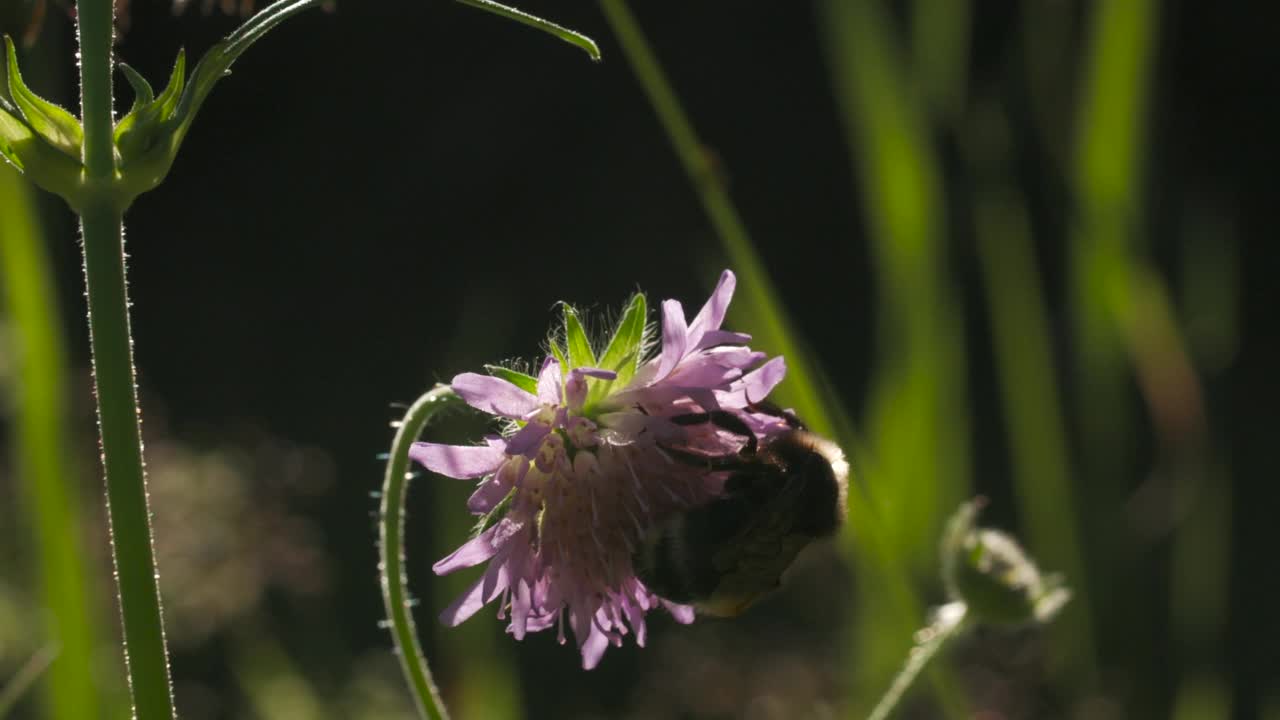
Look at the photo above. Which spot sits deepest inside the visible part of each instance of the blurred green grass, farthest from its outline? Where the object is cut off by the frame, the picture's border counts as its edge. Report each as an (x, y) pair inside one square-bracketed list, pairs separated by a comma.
[(900, 80)]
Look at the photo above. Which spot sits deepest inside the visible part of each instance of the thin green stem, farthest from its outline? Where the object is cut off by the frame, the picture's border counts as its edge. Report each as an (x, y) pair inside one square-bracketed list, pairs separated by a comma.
[(395, 594), (948, 624), (95, 27), (146, 656)]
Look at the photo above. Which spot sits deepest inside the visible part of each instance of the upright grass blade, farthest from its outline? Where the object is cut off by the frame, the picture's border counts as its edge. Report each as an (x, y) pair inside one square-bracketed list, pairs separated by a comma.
[(1028, 385), (47, 481), (917, 422), (940, 54), (1104, 250), (395, 592), (760, 311), (757, 303)]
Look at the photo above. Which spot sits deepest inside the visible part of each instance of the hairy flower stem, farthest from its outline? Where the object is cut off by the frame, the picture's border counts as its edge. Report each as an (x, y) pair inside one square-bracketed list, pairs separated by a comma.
[(395, 594), (102, 229), (949, 623), (119, 424)]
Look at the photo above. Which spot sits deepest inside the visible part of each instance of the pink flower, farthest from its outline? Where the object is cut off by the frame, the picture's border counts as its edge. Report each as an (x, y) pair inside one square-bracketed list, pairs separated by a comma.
[(589, 468)]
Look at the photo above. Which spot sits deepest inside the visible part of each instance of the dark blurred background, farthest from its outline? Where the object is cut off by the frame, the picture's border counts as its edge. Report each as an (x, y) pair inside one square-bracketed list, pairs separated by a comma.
[(384, 195)]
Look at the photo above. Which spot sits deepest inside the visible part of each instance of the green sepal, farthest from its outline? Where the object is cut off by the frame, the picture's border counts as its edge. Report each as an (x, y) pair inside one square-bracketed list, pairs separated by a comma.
[(558, 353), (622, 355), (528, 383), (142, 92), (53, 124), (575, 338), (139, 129)]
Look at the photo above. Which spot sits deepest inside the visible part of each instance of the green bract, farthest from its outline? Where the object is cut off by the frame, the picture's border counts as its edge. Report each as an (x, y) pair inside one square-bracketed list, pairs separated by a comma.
[(148, 137), (39, 138)]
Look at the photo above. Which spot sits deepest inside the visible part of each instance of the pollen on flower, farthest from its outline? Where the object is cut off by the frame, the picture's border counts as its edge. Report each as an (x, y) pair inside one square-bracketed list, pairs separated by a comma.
[(598, 452)]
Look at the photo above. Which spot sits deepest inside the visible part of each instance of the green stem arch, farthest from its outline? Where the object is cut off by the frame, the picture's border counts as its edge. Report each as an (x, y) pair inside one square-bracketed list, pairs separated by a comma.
[(395, 593)]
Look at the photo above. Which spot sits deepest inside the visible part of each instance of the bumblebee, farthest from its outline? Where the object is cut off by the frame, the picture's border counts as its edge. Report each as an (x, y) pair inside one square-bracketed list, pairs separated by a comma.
[(723, 556)]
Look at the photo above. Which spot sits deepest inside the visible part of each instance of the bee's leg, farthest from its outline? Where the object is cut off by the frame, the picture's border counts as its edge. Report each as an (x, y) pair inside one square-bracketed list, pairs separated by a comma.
[(724, 420), (710, 462), (765, 407)]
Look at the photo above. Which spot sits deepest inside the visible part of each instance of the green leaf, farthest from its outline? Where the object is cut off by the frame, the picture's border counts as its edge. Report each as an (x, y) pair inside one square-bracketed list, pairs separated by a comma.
[(575, 337), (57, 126), (216, 63), (570, 36), (623, 352), (528, 383)]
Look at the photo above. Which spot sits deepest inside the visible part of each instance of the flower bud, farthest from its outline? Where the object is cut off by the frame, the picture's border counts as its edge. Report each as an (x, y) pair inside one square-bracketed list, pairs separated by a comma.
[(989, 572)]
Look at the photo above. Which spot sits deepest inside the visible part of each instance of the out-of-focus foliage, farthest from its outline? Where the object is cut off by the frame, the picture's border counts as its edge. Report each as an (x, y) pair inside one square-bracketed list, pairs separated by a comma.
[(1008, 244)]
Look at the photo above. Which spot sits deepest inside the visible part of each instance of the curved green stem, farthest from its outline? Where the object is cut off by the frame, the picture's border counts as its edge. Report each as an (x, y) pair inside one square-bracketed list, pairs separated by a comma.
[(948, 624), (395, 594)]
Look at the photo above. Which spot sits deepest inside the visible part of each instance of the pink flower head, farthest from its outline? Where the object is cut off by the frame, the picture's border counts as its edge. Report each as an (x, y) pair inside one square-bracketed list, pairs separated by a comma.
[(592, 463)]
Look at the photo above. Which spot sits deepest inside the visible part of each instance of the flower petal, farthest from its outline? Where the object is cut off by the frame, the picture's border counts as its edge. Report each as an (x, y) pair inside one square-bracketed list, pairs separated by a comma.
[(521, 601), (683, 614), (675, 336), (549, 381), (458, 461), (487, 496), (527, 439), (712, 314), (756, 385), (481, 592), (471, 553), (494, 395), (593, 646), (714, 338)]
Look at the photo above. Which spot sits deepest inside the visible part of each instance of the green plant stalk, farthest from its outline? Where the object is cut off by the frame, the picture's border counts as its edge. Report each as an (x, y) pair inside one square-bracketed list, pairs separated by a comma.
[(945, 628), (146, 656), (49, 485), (395, 593), (119, 423)]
